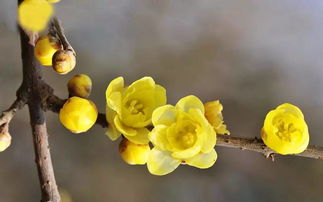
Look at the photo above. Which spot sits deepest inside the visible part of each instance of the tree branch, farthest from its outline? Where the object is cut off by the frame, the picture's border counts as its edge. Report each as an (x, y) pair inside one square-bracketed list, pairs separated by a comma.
[(257, 145), (36, 89), (7, 115), (251, 144), (56, 28)]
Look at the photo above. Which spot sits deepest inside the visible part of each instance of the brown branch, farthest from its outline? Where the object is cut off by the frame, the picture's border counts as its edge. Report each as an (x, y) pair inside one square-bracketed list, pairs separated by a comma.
[(257, 145), (36, 89)]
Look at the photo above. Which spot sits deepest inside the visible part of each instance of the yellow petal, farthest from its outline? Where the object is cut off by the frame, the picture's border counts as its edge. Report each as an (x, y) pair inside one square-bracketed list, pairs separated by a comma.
[(291, 109), (33, 15), (160, 96), (141, 136), (203, 160), (187, 153), (161, 163), (207, 135), (142, 84), (126, 130), (190, 102), (165, 115), (158, 137), (114, 94), (112, 131)]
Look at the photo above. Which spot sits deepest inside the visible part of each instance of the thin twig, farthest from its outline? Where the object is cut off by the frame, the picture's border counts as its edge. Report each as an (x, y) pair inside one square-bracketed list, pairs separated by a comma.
[(60, 32), (7, 115), (257, 145)]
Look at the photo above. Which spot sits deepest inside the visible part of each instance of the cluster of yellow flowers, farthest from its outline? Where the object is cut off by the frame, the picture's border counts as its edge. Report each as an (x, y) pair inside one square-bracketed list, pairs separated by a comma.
[(184, 133), (180, 134)]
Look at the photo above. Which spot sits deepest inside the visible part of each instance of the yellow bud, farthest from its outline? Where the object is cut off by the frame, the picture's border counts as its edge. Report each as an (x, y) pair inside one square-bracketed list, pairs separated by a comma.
[(5, 140), (33, 15), (80, 85), (134, 154), (213, 113), (45, 48), (53, 1), (78, 114), (64, 61)]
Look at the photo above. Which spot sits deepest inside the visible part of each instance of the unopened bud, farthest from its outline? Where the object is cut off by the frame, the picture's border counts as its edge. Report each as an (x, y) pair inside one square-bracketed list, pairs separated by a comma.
[(45, 48), (64, 61), (133, 154), (80, 85), (5, 140)]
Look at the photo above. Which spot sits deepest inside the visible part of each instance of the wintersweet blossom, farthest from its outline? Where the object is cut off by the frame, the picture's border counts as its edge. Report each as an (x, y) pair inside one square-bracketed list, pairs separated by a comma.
[(285, 130), (33, 15), (181, 134), (129, 109)]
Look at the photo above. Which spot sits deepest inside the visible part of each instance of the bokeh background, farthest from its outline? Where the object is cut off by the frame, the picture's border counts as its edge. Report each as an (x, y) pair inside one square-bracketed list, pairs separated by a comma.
[(252, 55)]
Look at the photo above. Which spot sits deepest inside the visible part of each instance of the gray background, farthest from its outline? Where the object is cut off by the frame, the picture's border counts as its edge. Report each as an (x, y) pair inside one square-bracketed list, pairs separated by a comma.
[(252, 55)]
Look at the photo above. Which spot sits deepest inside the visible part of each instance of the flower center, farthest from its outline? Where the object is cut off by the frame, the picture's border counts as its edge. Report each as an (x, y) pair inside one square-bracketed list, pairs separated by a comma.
[(135, 107), (182, 135), (286, 130)]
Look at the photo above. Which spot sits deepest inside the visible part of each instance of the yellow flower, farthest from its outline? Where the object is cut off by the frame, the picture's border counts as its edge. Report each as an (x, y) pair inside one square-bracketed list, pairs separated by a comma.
[(33, 15), (285, 130), (78, 114), (181, 134), (134, 154), (213, 113), (129, 109)]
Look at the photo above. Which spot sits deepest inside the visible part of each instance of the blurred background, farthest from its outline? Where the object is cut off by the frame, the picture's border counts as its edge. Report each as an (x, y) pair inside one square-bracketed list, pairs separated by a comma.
[(252, 55)]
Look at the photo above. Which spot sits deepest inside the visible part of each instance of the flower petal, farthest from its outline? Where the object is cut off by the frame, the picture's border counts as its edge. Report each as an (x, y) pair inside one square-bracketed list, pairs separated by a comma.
[(164, 115), (158, 137), (126, 130), (203, 160), (190, 102), (187, 153), (160, 96), (114, 94), (112, 131), (141, 136), (142, 84), (291, 109), (161, 163)]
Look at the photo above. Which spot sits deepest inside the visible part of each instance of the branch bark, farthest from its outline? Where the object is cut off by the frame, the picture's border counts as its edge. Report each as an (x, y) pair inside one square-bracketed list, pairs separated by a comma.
[(35, 87), (257, 145)]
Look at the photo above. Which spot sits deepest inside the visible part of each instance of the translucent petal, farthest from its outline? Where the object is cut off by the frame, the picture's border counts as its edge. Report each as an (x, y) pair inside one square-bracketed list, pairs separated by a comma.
[(203, 160), (187, 153), (164, 115), (161, 163), (141, 136), (190, 102), (159, 138), (126, 130)]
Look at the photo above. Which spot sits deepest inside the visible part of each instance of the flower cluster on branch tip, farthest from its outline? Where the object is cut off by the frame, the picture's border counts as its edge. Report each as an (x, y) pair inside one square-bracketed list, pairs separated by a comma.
[(153, 132)]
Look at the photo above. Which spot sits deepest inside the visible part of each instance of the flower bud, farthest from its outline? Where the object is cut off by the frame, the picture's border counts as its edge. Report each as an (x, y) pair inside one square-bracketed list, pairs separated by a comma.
[(64, 61), (45, 48), (80, 85), (78, 114), (213, 113), (134, 154), (5, 140)]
